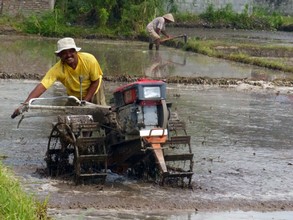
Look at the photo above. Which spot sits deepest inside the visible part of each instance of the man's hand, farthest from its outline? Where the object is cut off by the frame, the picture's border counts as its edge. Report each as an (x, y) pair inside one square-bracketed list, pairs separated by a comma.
[(15, 113), (18, 111)]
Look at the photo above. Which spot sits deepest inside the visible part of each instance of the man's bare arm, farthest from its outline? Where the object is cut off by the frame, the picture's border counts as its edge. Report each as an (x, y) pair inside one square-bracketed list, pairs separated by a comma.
[(92, 89), (35, 93)]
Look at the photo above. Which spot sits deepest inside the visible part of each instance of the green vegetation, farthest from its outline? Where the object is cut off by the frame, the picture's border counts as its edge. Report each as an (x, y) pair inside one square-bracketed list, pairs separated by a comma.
[(287, 20), (15, 204), (255, 18), (127, 19), (102, 18), (255, 54), (112, 18)]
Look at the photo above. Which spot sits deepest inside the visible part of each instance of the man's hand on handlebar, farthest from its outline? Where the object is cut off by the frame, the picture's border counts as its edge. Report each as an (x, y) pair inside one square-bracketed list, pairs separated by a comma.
[(19, 110)]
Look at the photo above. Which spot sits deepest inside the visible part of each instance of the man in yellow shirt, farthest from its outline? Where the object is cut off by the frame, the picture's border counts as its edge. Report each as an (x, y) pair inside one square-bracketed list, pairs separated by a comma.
[(73, 68)]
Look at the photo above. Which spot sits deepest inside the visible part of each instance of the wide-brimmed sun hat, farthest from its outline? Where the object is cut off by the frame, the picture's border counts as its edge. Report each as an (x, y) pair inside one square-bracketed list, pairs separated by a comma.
[(65, 44), (169, 17)]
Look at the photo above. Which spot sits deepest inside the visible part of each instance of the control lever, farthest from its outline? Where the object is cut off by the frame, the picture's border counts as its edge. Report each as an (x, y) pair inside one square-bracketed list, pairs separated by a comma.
[(80, 84)]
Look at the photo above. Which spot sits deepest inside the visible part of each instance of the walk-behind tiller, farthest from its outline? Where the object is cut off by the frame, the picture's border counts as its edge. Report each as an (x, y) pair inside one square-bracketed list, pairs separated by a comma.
[(139, 135)]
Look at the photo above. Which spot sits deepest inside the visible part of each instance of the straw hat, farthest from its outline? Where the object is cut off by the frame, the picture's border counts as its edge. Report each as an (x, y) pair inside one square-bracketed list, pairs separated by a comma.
[(169, 17), (65, 44)]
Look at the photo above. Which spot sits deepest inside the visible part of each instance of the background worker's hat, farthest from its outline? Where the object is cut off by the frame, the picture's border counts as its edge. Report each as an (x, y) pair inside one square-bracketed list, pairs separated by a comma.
[(65, 44), (169, 17)]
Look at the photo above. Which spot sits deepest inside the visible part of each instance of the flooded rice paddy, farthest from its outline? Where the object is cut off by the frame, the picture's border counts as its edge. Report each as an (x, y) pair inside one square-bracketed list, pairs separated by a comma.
[(234, 35), (241, 138), (31, 57)]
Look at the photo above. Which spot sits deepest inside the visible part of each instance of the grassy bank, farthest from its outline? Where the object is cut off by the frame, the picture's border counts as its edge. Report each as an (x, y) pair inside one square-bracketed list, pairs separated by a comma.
[(272, 57), (15, 204)]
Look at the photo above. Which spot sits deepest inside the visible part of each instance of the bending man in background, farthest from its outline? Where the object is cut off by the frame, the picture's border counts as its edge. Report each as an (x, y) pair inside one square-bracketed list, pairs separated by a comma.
[(156, 27)]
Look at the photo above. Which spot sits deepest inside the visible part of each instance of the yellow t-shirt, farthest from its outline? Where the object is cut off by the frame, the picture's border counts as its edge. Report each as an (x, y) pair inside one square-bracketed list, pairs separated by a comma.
[(88, 68)]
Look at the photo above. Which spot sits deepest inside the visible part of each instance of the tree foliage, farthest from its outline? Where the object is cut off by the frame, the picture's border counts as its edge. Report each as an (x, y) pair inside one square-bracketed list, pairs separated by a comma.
[(227, 17), (127, 17), (131, 13), (111, 18)]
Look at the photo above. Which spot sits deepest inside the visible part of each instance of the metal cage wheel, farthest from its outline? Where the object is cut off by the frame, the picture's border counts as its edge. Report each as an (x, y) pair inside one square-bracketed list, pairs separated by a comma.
[(77, 166), (60, 150), (88, 163)]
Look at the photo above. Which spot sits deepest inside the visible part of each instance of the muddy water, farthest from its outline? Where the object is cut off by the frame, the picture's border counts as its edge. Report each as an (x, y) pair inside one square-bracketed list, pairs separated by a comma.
[(241, 137), (243, 159)]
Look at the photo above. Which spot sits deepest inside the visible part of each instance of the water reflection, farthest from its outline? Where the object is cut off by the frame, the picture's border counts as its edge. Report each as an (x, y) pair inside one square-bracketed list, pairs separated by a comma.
[(26, 55), (35, 55), (160, 67)]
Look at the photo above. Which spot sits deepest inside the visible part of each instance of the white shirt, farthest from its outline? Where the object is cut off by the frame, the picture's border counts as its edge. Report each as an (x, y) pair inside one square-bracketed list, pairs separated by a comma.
[(158, 22)]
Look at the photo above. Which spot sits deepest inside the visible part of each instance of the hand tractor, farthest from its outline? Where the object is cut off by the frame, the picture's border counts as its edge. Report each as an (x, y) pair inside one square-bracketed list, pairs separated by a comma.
[(138, 135)]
